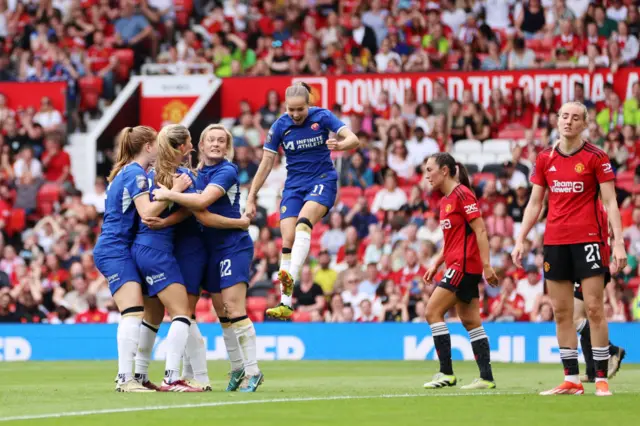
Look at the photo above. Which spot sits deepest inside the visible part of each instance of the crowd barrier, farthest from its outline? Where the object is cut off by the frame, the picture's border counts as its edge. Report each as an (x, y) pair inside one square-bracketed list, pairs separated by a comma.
[(510, 342)]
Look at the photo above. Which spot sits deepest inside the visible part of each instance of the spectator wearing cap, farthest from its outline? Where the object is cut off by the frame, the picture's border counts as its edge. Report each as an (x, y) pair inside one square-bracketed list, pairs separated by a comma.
[(515, 207), (324, 275), (530, 288)]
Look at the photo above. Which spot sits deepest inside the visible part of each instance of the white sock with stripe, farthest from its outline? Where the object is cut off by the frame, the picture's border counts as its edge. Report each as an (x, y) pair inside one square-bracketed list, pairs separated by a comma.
[(176, 343)]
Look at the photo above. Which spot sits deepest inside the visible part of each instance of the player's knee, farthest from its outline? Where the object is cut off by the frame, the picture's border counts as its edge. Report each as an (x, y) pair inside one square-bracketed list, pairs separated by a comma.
[(434, 315), (304, 225), (595, 312), (563, 315), (134, 311), (471, 323)]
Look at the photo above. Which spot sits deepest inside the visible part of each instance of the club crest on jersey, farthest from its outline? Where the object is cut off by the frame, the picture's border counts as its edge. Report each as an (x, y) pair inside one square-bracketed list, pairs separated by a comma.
[(142, 182), (448, 208), (283, 209), (547, 266), (579, 168), (315, 126)]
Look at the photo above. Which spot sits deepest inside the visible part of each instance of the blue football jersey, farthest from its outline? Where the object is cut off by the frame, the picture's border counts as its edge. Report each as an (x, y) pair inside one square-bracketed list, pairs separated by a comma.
[(305, 145), (163, 239), (224, 175), (120, 215)]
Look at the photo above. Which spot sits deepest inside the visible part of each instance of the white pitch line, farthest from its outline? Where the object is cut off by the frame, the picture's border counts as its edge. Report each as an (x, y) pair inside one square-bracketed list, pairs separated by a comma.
[(247, 402)]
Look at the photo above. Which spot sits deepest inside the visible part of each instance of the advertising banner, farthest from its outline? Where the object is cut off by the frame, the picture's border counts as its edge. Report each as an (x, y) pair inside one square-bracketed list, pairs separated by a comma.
[(510, 342), (167, 99), (355, 90), (30, 94)]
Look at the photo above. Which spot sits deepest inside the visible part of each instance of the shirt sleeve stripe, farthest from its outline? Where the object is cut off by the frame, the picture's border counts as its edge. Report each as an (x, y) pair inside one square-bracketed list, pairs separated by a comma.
[(340, 129), (224, 191), (269, 149), (139, 194)]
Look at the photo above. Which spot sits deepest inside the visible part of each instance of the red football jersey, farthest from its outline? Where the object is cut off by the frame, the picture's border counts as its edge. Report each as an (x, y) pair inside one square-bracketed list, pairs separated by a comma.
[(573, 182), (457, 210)]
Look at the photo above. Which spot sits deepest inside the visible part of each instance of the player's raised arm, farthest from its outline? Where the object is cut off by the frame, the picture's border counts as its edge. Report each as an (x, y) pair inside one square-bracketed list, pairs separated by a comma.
[(148, 208), (211, 220)]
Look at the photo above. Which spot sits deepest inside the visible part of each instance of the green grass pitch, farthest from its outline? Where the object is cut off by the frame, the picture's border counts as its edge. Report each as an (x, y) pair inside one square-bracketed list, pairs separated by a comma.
[(311, 393)]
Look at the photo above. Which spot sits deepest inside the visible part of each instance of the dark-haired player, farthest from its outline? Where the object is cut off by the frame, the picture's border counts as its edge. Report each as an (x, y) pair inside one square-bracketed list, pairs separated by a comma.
[(575, 171), (466, 255), (312, 181)]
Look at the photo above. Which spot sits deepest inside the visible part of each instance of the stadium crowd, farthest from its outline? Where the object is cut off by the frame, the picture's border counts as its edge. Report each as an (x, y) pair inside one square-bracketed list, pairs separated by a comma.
[(369, 255)]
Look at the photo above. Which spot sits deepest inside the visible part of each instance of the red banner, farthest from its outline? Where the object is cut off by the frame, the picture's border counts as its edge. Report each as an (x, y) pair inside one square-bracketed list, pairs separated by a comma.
[(353, 91), (30, 94)]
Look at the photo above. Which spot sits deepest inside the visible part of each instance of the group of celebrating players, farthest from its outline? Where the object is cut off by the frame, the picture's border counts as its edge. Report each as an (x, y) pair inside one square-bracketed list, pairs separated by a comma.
[(170, 231)]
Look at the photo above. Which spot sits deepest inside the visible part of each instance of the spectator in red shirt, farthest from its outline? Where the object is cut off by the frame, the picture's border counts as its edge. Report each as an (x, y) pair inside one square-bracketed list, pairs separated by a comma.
[(499, 223), (489, 198), (93, 315), (509, 305), (410, 277), (521, 111), (101, 61), (366, 312), (56, 162), (567, 39), (548, 104), (592, 37)]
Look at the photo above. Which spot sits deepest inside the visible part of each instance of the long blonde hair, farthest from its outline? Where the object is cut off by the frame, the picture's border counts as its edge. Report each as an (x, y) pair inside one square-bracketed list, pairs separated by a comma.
[(585, 115), (131, 140), (203, 135), (170, 138)]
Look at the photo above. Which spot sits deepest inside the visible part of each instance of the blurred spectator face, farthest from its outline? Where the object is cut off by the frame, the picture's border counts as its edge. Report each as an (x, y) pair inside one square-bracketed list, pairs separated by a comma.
[(500, 210), (336, 220), (79, 284), (351, 257), (365, 308), (490, 188), (411, 257), (454, 109), (347, 314), (236, 68), (578, 91), (87, 262), (324, 259), (385, 47), (614, 101), (52, 262), (628, 133), (636, 217), (9, 253), (316, 316), (495, 243), (5, 301), (390, 182), (355, 22), (508, 286), (76, 269), (546, 312), (399, 149), (305, 275), (592, 29), (372, 272), (272, 250), (565, 27), (357, 161), (336, 303), (614, 49), (352, 235), (532, 277)]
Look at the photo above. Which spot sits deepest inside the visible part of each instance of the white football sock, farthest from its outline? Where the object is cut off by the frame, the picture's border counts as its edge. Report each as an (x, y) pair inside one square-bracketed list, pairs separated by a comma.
[(148, 333), (197, 354), (176, 342), (233, 348), (246, 334), (127, 338), (300, 251)]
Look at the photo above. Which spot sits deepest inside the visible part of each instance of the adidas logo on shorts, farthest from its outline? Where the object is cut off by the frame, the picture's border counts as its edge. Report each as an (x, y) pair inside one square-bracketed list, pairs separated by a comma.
[(595, 266)]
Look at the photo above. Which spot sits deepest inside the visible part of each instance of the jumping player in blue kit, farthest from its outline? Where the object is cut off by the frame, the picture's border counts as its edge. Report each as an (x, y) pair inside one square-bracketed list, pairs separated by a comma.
[(189, 250), (230, 250), (127, 197), (312, 181)]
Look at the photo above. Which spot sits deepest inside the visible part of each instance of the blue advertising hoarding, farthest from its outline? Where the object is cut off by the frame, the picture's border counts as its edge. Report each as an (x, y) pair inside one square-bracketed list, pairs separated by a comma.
[(510, 342)]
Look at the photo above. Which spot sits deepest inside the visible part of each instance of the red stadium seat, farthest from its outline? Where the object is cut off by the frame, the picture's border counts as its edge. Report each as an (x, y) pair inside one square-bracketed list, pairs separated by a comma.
[(318, 230), (90, 91), (125, 63), (634, 283), (407, 190), (48, 195), (513, 133), (17, 222), (371, 192), (256, 304), (349, 195), (625, 177), (315, 248), (299, 316)]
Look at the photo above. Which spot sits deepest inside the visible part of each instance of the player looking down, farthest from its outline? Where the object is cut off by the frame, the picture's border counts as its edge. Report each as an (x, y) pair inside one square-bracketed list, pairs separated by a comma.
[(466, 255), (575, 171)]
